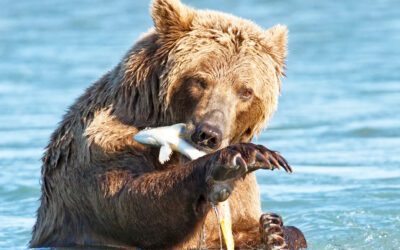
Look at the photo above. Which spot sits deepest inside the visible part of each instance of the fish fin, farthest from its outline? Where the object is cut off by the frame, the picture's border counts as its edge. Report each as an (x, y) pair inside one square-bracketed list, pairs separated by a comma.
[(165, 153)]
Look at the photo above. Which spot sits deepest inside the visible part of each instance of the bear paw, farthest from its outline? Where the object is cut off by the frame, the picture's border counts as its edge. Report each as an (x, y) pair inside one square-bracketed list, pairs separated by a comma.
[(272, 232), (235, 161)]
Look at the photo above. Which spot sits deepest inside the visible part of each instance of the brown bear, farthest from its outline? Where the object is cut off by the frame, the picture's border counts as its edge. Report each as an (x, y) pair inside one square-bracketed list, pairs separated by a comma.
[(218, 74)]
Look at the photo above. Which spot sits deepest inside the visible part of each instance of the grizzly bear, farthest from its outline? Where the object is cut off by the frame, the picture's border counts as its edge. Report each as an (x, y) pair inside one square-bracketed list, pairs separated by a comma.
[(218, 74)]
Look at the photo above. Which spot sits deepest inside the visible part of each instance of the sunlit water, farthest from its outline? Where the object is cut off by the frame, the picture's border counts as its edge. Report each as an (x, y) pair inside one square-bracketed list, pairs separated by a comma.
[(338, 121)]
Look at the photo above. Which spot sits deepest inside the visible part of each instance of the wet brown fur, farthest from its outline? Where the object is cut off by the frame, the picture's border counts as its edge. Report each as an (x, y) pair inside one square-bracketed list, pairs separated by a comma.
[(100, 187)]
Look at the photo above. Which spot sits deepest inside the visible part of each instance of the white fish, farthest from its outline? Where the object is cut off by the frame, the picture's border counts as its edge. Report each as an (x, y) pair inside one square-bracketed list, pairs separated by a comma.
[(170, 138)]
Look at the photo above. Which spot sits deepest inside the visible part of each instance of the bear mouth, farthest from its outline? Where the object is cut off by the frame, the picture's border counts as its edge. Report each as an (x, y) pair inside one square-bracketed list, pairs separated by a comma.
[(187, 135)]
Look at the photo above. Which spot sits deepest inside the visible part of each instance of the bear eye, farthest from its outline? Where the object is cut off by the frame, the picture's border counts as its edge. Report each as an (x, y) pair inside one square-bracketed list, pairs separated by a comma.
[(246, 93), (200, 83)]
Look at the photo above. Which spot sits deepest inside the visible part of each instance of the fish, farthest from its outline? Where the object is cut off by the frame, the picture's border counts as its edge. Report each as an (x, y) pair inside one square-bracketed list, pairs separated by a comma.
[(169, 139)]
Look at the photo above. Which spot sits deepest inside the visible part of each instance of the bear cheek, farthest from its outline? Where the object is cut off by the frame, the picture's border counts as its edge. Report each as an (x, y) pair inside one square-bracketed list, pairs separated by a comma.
[(249, 117)]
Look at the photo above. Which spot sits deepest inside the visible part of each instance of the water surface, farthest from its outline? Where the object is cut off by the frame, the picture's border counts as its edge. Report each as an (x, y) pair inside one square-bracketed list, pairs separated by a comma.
[(338, 121)]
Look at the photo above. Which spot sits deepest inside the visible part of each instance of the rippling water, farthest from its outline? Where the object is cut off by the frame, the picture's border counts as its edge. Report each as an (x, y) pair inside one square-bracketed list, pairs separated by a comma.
[(338, 121)]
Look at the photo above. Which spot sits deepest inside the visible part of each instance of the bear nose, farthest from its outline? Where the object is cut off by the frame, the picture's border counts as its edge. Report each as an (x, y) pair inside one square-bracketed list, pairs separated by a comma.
[(207, 136)]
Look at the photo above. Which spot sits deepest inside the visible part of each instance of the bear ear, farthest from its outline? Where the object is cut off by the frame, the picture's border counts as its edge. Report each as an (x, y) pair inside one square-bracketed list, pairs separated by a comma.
[(276, 42), (170, 16)]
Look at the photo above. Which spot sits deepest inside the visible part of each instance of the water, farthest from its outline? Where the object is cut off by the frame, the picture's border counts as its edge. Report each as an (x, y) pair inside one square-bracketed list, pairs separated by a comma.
[(338, 121)]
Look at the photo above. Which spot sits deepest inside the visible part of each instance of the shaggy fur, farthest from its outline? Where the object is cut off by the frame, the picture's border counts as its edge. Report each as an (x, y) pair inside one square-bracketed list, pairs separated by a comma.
[(100, 187)]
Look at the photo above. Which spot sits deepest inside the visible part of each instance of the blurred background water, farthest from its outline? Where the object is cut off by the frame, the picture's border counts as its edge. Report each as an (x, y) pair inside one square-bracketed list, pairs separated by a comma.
[(338, 121)]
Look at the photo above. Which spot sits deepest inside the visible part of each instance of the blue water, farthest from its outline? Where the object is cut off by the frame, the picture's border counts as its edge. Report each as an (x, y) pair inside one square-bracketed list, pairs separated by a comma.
[(338, 121)]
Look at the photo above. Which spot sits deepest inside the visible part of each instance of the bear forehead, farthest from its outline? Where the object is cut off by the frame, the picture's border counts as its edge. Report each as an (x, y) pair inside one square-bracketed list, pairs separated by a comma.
[(221, 54), (215, 66)]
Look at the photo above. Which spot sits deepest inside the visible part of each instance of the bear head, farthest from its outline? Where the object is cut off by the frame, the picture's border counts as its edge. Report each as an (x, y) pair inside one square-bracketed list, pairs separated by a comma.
[(221, 74)]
